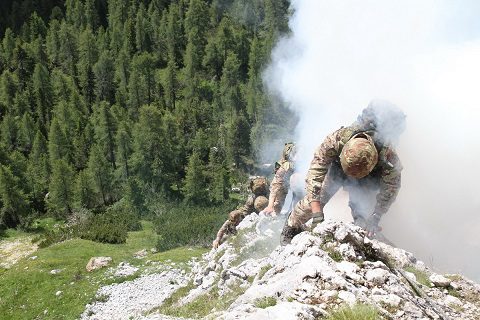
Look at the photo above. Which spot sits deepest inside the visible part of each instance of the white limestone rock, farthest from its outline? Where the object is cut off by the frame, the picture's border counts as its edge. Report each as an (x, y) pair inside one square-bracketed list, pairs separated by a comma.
[(377, 277), (439, 281)]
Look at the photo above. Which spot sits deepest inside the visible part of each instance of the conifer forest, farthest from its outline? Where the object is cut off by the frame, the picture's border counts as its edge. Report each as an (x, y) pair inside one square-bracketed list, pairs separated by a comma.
[(121, 109)]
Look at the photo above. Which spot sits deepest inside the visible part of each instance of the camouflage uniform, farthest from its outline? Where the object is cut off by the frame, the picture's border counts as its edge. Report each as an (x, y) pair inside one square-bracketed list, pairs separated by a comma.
[(259, 188), (284, 168), (280, 185), (325, 176)]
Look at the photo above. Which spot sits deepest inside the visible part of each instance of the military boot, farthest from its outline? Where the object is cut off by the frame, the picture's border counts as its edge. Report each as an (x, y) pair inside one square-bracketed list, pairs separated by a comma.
[(288, 233)]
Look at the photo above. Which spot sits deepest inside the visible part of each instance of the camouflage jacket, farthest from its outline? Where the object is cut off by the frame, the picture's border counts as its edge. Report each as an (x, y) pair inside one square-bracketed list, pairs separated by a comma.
[(388, 168), (281, 181), (248, 207)]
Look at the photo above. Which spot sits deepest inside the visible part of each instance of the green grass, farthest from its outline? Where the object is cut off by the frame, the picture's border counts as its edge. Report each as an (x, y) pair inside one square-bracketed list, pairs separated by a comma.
[(264, 270), (421, 276), (356, 312), (28, 288), (200, 307), (180, 224), (332, 253), (265, 302)]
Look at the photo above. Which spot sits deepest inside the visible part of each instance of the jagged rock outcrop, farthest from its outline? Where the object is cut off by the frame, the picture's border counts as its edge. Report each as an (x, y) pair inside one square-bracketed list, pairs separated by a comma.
[(320, 271)]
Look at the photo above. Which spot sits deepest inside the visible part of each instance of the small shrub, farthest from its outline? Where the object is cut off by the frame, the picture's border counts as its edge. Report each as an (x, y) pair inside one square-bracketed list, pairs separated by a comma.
[(421, 276), (265, 302), (182, 224), (357, 312), (110, 226), (264, 270), (332, 253), (104, 228)]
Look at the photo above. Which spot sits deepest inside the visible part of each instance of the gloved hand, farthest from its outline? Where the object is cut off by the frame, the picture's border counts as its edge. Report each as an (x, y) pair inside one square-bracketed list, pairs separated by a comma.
[(317, 218), (215, 243), (372, 226)]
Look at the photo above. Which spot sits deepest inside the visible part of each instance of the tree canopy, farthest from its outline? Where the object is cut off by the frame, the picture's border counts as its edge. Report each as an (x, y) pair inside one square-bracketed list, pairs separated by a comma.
[(116, 100)]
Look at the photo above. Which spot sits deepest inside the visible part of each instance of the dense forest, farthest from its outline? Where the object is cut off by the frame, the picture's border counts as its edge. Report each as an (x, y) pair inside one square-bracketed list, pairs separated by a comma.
[(131, 103)]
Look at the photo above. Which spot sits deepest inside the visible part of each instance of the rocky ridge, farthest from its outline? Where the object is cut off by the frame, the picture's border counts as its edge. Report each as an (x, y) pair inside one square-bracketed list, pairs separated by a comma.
[(320, 271)]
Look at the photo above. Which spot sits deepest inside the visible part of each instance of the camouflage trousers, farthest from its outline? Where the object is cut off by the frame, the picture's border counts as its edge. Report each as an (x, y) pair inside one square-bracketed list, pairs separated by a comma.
[(362, 196), (279, 200)]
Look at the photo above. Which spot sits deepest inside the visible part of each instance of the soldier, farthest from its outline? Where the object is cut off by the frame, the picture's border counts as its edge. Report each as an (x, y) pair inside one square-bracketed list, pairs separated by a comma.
[(284, 169), (256, 202), (358, 157)]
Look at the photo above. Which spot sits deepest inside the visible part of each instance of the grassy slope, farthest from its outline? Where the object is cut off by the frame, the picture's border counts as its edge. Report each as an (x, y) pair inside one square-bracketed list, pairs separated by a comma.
[(28, 288)]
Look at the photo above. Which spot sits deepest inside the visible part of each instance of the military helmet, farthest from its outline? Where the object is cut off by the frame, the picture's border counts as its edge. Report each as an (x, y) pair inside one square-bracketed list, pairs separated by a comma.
[(289, 151), (261, 202), (235, 216), (259, 185), (359, 156)]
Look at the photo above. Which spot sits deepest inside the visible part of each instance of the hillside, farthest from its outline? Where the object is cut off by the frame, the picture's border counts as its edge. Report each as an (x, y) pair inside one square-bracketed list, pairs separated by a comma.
[(333, 270)]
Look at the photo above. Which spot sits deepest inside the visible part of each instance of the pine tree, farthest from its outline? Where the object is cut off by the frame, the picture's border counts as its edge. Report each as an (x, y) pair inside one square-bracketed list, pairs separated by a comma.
[(53, 43), (219, 186), (105, 131), (88, 56), (8, 89), (8, 132), (81, 146), (91, 15), (68, 51), (84, 191), (36, 27), (124, 150), (230, 85), (43, 94), (8, 45), (26, 133), (142, 30), (57, 142), (239, 138), (23, 64), (60, 191), (255, 98), (15, 205), (100, 171), (104, 71), (122, 66), (194, 185), (170, 84), (175, 38), (38, 171)]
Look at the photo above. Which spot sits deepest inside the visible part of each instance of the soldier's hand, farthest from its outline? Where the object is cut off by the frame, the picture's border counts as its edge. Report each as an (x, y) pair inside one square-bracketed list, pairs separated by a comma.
[(317, 219), (268, 211), (372, 226)]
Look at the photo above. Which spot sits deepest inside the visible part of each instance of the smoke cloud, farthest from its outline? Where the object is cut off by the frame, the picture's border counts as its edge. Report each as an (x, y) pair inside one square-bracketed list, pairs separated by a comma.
[(423, 56)]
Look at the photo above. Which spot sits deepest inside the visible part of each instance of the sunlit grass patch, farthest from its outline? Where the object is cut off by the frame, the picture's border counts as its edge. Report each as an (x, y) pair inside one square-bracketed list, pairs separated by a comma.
[(357, 312), (28, 289), (422, 277), (265, 302)]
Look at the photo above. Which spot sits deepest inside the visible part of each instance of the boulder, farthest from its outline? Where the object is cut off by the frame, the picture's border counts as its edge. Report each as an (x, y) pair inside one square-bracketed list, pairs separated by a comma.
[(141, 254), (439, 280), (377, 277), (97, 262)]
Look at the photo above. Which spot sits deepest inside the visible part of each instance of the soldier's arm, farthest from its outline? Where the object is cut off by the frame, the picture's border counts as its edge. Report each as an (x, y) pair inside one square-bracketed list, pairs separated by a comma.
[(324, 155), (279, 183), (221, 232), (390, 182)]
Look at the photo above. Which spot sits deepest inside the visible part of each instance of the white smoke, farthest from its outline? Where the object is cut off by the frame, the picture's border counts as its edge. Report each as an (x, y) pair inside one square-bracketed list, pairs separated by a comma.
[(424, 56)]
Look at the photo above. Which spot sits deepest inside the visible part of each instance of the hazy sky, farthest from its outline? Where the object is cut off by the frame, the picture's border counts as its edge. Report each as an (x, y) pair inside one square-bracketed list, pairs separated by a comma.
[(423, 56)]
